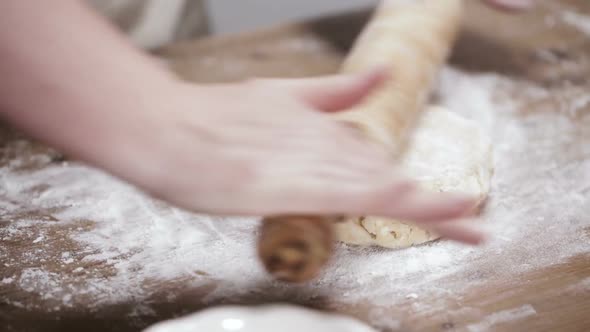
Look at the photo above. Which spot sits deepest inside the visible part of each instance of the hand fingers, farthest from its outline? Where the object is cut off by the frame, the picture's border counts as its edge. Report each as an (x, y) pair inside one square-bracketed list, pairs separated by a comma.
[(416, 205), (327, 169), (342, 174), (462, 231), (383, 192), (399, 198), (511, 5), (335, 93)]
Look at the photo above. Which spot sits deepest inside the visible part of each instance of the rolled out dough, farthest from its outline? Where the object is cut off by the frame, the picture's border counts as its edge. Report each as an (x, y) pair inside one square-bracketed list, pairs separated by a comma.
[(448, 153)]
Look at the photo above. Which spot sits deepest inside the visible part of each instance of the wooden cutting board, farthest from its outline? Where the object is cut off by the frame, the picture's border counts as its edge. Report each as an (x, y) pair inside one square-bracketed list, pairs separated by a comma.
[(52, 277)]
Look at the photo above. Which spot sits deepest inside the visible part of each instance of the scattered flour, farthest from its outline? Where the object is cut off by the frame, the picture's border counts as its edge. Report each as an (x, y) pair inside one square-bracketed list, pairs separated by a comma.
[(144, 241), (577, 20), (39, 239), (48, 284), (503, 316)]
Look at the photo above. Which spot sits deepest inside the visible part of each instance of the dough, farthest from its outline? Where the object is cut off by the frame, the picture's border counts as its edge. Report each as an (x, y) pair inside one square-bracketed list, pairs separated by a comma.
[(445, 152), (448, 153), (414, 39)]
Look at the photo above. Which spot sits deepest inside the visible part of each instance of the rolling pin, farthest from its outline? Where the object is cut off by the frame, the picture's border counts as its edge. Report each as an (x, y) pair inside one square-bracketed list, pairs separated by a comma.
[(413, 38)]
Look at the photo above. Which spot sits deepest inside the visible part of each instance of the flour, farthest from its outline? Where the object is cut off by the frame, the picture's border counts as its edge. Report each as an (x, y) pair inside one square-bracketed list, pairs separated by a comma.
[(142, 242), (583, 285), (46, 283), (577, 20), (38, 239), (503, 317)]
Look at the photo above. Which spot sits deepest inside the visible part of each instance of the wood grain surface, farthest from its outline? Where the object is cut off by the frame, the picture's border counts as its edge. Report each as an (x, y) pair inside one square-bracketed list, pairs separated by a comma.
[(526, 48)]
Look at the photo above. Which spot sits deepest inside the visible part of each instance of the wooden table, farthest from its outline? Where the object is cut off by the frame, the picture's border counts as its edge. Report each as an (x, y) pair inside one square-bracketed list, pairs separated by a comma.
[(549, 48)]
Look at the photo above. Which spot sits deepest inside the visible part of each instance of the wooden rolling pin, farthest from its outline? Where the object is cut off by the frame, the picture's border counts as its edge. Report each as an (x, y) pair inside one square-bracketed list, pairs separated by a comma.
[(412, 37)]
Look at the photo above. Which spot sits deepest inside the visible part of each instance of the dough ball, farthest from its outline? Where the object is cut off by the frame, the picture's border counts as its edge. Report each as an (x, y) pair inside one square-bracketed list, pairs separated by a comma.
[(448, 153)]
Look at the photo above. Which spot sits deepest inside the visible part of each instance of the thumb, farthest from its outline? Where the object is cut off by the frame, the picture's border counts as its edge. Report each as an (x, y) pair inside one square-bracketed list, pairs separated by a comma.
[(337, 92)]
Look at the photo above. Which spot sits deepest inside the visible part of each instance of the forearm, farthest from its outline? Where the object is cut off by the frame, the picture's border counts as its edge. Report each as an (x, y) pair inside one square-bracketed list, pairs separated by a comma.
[(71, 80)]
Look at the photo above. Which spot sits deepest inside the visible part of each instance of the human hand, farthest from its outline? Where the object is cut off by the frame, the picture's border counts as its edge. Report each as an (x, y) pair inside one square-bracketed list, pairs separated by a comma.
[(253, 148), (269, 147)]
